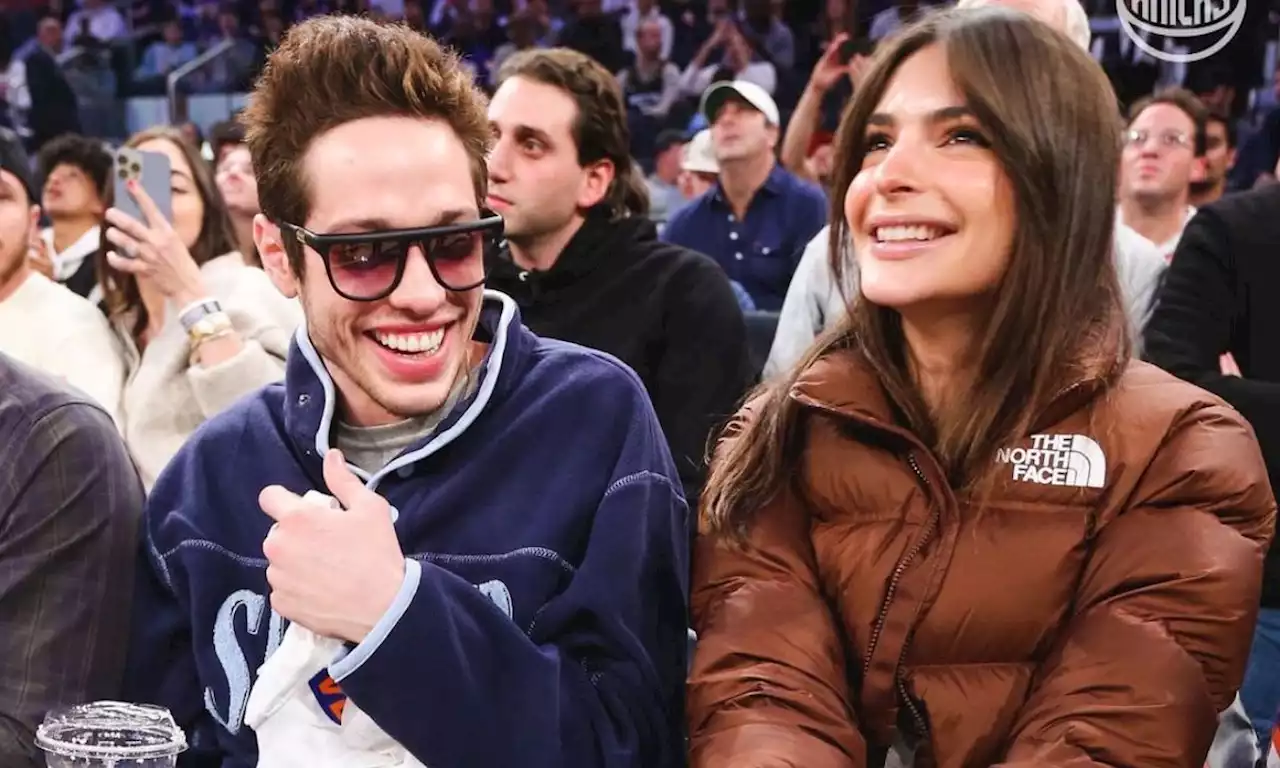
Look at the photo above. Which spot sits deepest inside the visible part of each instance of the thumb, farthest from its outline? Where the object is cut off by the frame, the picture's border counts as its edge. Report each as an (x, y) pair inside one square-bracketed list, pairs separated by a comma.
[(343, 484)]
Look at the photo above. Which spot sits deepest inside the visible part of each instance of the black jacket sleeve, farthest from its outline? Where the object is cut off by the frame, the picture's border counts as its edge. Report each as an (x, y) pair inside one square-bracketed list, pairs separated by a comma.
[(1202, 298), (705, 369)]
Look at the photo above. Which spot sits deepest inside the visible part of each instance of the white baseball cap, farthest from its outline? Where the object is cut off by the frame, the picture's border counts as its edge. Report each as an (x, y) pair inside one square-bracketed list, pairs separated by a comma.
[(698, 156), (714, 97)]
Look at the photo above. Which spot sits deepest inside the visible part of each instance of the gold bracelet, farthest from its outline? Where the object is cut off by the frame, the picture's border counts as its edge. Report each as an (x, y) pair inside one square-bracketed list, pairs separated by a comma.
[(216, 325), (209, 326), (193, 358)]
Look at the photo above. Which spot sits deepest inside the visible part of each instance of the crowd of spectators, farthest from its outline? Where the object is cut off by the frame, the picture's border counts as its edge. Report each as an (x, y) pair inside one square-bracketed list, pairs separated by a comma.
[(68, 64), (664, 178), (665, 54)]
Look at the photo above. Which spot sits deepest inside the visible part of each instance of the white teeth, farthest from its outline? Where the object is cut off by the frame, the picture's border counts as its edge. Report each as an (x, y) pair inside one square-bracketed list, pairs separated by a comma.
[(411, 343), (917, 232)]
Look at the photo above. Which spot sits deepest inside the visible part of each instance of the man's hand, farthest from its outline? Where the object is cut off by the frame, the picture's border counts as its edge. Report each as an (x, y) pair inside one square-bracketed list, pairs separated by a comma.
[(334, 571)]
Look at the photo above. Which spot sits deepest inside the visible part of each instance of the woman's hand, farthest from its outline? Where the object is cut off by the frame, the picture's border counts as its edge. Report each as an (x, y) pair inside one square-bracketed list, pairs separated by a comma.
[(829, 68), (40, 258), (153, 250)]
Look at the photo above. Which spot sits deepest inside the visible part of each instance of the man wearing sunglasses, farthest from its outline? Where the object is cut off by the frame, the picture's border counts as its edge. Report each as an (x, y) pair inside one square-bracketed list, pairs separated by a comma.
[(498, 576)]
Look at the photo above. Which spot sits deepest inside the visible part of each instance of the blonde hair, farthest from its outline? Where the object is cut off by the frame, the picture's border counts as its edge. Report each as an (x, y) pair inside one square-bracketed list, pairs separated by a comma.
[(1074, 21)]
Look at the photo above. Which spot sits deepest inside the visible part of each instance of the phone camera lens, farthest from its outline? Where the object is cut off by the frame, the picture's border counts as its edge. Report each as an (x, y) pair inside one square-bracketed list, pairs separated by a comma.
[(124, 173), (136, 168)]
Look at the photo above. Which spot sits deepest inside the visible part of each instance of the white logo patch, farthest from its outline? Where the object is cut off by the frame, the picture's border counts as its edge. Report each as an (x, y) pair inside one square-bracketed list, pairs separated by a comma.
[(1070, 460)]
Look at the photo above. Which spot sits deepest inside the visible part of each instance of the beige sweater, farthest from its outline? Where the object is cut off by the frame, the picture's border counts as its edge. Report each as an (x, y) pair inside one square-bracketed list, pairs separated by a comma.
[(53, 330), (166, 397)]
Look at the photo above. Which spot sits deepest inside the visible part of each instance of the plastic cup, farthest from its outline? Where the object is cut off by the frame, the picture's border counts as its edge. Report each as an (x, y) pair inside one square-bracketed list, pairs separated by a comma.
[(111, 734)]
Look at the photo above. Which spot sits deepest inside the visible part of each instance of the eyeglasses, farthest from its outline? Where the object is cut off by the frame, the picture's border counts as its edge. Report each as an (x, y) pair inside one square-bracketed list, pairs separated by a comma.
[(1166, 139), (368, 266)]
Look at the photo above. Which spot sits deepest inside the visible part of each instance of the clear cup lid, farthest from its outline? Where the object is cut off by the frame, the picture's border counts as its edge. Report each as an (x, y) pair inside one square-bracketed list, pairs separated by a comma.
[(112, 730)]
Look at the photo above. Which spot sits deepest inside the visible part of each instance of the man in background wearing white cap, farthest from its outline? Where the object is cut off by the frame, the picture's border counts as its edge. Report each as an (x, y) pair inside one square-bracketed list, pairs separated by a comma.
[(698, 167), (758, 217)]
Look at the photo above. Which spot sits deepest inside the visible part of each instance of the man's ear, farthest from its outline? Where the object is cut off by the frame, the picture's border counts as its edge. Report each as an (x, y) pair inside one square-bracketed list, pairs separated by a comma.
[(1199, 170), (275, 262), (595, 185)]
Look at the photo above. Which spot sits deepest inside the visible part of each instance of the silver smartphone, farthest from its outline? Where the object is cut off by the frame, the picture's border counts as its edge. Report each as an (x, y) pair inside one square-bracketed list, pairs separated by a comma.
[(151, 170)]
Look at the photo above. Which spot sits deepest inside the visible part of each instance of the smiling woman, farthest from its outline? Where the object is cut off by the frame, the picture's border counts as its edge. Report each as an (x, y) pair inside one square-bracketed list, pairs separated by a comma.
[(972, 419)]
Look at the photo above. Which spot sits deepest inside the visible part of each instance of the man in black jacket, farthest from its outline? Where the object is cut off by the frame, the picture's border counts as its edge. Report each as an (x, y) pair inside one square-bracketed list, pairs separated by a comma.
[(584, 262), (54, 109), (1219, 298)]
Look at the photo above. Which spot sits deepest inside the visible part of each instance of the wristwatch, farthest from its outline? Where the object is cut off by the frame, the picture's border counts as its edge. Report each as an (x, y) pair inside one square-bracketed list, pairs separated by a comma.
[(195, 311)]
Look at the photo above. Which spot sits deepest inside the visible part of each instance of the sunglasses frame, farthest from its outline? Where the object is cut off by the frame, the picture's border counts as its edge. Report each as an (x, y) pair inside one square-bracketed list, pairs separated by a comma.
[(322, 244)]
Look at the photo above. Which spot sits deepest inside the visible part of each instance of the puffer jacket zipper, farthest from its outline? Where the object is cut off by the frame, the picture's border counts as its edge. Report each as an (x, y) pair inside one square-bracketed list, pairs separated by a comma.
[(935, 519), (931, 529), (926, 536)]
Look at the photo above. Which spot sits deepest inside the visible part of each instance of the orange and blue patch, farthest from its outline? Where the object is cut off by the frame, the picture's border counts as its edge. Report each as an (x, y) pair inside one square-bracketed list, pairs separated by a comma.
[(328, 695)]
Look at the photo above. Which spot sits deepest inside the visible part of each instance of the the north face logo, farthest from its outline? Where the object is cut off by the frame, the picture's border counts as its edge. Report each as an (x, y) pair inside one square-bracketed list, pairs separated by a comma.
[(1072, 460)]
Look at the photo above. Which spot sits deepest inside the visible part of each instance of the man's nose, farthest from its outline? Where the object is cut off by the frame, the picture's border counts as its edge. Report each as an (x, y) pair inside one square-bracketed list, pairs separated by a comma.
[(418, 292), (1151, 147), (496, 163)]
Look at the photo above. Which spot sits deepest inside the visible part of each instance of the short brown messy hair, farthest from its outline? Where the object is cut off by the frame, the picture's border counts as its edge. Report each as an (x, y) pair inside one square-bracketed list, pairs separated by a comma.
[(331, 70)]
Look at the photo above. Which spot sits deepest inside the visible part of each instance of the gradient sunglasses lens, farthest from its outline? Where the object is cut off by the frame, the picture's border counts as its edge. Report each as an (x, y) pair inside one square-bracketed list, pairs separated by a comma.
[(457, 258), (366, 270)]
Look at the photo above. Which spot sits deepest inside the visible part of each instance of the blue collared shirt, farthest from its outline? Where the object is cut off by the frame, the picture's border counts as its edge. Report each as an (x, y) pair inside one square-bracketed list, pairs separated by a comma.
[(762, 250)]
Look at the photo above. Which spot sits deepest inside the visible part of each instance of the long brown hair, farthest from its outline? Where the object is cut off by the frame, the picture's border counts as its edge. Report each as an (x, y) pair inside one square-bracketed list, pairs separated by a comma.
[(1054, 128), (217, 235)]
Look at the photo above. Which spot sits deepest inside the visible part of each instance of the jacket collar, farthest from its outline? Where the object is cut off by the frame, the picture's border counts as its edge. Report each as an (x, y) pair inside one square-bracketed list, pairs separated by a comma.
[(601, 243), (311, 398), (844, 382)]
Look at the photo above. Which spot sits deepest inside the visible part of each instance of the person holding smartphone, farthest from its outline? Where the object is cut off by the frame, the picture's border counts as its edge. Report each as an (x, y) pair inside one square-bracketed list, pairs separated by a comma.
[(199, 328)]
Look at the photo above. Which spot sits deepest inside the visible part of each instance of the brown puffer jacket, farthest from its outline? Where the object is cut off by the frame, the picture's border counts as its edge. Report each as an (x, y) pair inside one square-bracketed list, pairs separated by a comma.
[(1097, 612)]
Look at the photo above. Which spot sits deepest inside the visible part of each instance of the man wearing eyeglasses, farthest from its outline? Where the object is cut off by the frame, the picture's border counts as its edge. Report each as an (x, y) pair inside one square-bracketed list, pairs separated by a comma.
[(498, 575), (1163, 154)]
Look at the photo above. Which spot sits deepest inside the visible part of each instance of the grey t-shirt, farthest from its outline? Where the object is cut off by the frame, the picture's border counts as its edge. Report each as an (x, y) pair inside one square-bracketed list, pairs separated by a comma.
[(372, 448)]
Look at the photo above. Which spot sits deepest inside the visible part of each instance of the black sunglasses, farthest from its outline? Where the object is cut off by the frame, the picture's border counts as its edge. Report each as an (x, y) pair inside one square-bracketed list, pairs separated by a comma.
[(368, 266)]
